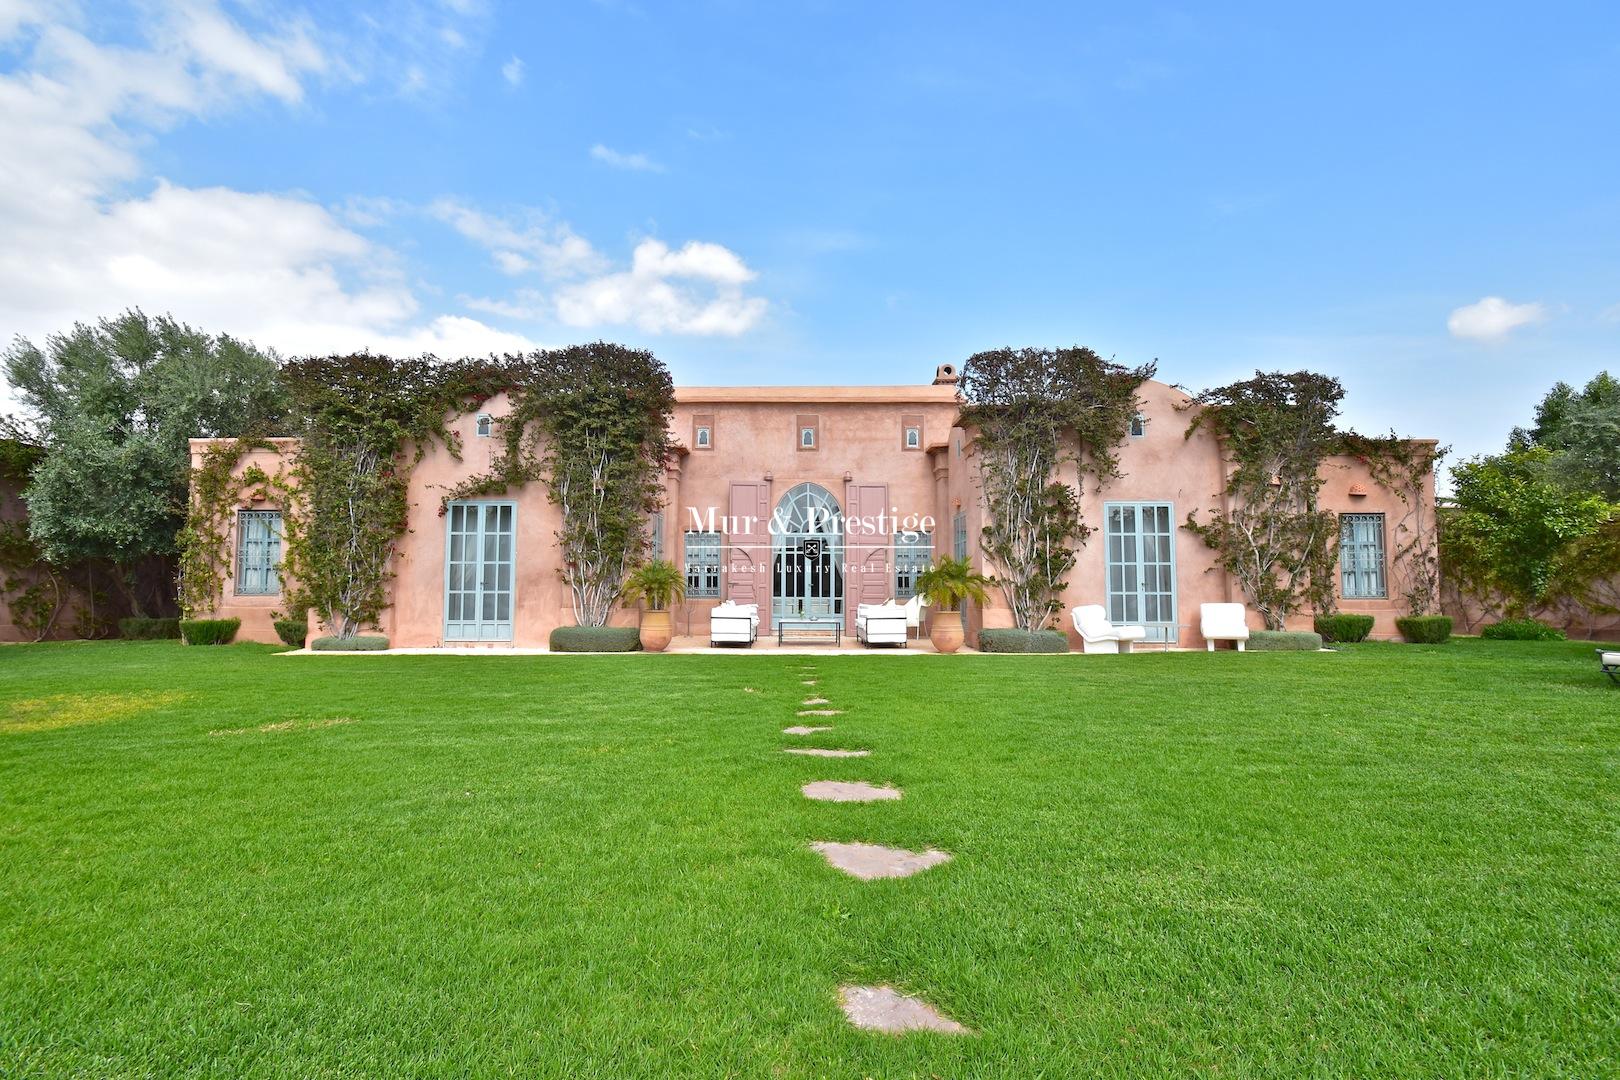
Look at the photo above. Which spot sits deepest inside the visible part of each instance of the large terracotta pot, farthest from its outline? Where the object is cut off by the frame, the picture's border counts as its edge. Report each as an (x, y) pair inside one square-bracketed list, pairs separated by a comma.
[(656, 631), (945, 630)]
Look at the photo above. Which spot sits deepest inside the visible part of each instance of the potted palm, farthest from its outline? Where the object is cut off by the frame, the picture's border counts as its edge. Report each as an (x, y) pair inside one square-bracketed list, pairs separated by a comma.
[(657, 584), (945, 585)]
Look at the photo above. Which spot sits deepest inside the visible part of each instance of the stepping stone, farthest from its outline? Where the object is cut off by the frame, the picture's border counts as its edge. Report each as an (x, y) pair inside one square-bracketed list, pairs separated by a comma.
[(872, 861), (883, 1008), (809, 682), (848, 791), (815, 701), (820, 712), (802, 729), (816, 751)]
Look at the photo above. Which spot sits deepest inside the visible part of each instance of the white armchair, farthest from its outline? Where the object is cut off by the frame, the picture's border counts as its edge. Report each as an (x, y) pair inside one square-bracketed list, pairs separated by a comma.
[(914, 610), (880, 624), (1223, 622), (733, 624), (1098, 635)]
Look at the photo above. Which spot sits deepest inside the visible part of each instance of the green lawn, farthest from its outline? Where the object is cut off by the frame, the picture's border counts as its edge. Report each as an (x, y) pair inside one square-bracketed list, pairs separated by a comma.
[(1393, 860)]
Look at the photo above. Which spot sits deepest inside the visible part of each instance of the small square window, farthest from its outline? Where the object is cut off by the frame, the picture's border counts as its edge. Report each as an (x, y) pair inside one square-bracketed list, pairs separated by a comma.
[(807, 437), (913, 438), (1138, 426), (704, 438), (703, 431), (486, 424), (808, 425)]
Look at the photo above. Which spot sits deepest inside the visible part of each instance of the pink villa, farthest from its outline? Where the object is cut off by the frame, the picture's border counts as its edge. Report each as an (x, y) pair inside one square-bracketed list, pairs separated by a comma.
[(809, 500)]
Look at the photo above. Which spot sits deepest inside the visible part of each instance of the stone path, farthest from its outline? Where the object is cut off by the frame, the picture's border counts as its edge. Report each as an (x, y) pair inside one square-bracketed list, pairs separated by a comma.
[(870, 1008), (870, 862), (848, 791), (883, 1008), (816, 751)]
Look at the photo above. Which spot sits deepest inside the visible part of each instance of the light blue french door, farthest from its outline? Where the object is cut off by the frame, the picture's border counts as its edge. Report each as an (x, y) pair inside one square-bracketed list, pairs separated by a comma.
[(478, 571), (1142, 567)]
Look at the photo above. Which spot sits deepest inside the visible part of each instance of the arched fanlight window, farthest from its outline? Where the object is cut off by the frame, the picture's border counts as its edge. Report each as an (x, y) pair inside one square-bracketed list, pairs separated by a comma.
[(808, 508)]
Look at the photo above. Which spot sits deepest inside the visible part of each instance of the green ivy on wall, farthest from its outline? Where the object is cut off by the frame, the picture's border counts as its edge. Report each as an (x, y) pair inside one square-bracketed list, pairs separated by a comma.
[(1275, 430), (592, 422), (1032, 410), (205, 552)]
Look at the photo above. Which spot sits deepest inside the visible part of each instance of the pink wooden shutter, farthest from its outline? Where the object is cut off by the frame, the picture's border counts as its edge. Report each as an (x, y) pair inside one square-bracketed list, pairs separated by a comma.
[(748, 548), (867, 546)]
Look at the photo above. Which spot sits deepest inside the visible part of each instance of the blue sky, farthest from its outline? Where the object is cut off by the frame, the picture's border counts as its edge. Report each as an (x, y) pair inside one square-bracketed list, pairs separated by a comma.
[(1423, 203)]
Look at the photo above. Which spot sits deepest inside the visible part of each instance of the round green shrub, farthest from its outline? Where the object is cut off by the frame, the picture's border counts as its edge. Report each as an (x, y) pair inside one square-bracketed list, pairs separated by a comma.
[(1344, 627), (1425, 629), (142, 629), (1522, 630), (1023, 641), (209, 631), (358, 643), (1284, 641), (292, 632), (595, 639)]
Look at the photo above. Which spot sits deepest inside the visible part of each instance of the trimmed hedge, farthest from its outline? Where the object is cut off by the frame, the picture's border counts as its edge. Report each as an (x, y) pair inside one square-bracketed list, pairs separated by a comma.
[(1343, 627), (209, 631), (596, 639), (1284, 641), (1425, 629), (1522, 630), (292, 632), (1023, 641), (141, 629), (358, 643)]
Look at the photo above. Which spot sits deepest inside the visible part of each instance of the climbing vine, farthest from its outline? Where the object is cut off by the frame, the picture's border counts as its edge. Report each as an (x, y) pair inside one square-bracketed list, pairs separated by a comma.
[(363, 422), (1275, 431), (592, 422), (1031, 412), (1404, 467), (205, 552)]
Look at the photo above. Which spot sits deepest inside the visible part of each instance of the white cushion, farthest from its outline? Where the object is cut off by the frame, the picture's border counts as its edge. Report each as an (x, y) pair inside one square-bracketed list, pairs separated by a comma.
[(1611, 658), (1227, 622)]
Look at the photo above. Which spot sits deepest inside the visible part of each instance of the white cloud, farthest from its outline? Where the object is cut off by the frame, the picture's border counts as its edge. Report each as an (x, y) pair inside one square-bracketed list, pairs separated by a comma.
[(1610, 314), (631, 162), (81, 241), (1493, 319), (534, 242), (512, 72), (696, 290), (88, 231), (272, 66)]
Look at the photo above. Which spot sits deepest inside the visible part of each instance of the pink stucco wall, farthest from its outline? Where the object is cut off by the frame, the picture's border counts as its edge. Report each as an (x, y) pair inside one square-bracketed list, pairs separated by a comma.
[(860, 443)]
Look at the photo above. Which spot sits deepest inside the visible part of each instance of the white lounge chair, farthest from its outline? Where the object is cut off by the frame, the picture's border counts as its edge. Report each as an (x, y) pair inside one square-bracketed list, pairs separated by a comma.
[(914, 610), (1098, 635), (1223, 622), (733, 624), (880, 624), (1609, 661)]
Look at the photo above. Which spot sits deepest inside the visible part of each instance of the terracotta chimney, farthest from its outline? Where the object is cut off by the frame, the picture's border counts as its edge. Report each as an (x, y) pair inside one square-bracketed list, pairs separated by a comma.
[(945, 375)]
